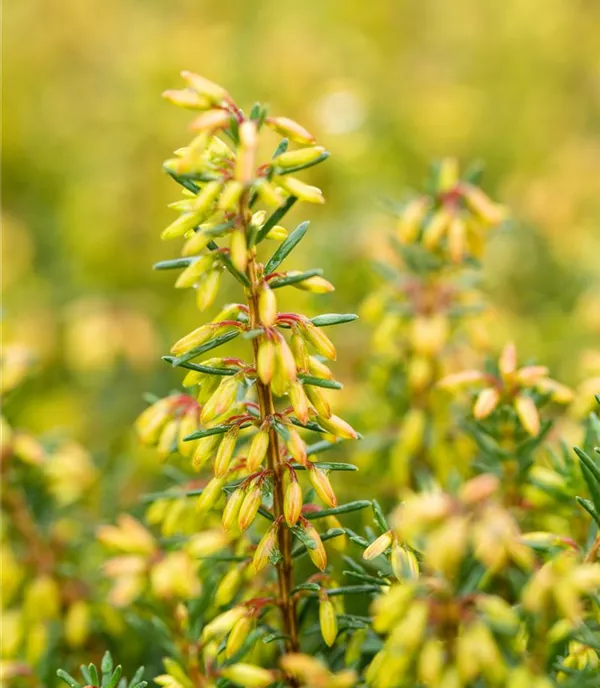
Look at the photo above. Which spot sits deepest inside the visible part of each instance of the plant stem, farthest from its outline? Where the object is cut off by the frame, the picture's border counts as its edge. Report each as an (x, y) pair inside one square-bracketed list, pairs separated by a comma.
[(267, 408)]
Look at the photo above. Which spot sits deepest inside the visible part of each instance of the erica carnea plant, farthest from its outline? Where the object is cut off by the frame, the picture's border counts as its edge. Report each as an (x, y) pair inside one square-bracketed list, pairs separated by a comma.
[(246, 423)]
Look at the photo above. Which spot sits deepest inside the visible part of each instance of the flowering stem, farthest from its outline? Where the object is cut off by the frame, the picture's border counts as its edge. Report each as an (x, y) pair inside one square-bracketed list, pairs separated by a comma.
[(276, 465)]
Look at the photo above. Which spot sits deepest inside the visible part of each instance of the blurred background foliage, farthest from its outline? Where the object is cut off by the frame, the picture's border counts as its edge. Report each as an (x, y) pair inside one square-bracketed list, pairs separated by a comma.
[(386, 86)]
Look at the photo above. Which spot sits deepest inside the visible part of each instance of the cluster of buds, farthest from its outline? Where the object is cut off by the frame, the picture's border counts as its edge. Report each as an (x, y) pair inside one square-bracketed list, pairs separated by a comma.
[(451, 221), (245, 422), (443, 627)]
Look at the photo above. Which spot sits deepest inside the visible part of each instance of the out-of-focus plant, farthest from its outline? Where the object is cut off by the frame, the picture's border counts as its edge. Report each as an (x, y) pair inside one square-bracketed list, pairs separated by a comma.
[(48, 588), (422, 314), (109, 676)]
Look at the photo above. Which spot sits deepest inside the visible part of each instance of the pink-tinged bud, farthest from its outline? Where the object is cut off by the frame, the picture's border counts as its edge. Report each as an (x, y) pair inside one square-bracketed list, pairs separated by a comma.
[(378, 546), (322, 486), (319, 340), (258, 450), (487, 401), (265, 549), (267, 305), (529, 375), (193, 339), (184, 223), (404, 563), (318, 556), (294, 158), (292, 503), (230, 198), (300, 351), (248, 675), (482, 205), (527, 414), (299, 402), (291, 129), (296, 445), (268, 193), (315, 284), (458, 380), (305, 192), (187, 98), (222, 399), (457, 239), (318, 400), (327, 620), (479, 489), (225, 452), (435, 229), (285, 360), (508, 360), (205, 448), (211, 121), (265, 363), (249, 507), (207, 289), (238, 635), (232, 509), (210, 495), (204, 87), (238, 249), (245, 169), (338, 427)]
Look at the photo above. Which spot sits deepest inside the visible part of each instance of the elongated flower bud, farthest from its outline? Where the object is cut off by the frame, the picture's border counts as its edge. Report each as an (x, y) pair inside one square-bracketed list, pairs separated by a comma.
[(228, 587), (507, 364), (205, 87), (225, 452), (404, 563), (277, 233), (318, 556), (196, 243), (151, 421), (315, 285), (238, 250), (182, 225), (292, 503), (238, 635), (210, 495), (527, 414), (296, 445), (435, 229), (305, 192), (267, 305), (248, 675), (187, 98), (300, 351), (319, 369), (167, 442), (258, 450), (457, 239), (249, 507), (223, 623), (205, 448), (317, 399), (246, 160), (291, 129), (187, 425), (295, 158), (338, 427), (486, 402), (319, 340), (221, 400), (211, 121), (230, 197), (327, 620), (207, 197), (268, 193), (194, 272), (378, 546), (265, 549), (322, 486), (207, 290), (299, 402), (285, 360), (232, 509), (265, 363), (196, 338), (481, 204)]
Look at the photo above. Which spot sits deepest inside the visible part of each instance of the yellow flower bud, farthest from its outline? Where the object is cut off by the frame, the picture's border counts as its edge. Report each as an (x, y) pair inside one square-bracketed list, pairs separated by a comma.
[(285, 362), (207, 289), (404, 563), (508, 360), (319, 369), (223, 623), (210, 495), (249, 507), (152, 420), (258, 450), (319, 340), (277, 233), (194, 339), (205, 447), (267, 305), (295, 445), (456, 381), (322, 486), (291, 129), (318, 556), (230, 198), (238, 249), (196, 243), (225, 452), (41, 599), (299, 351), (429, 334), (292, 503), (268, 193), (294, 158), (299, 401), (129, 535), (187, 98), (195, 272), (265, 548), (315, 284), (206, 543), (248, 675), (246, 161), (457, 239), (187, 425), (486, 402), (378, 546), (338, 427), (435, 229), (295, 187), (30, 451), (167, 442), (527, 414), (318, 400), (481, 205), (184, 223), (205, 88), (238, 635), (448, 174), (327, 620), (265, 363), (431, 662), (409, 222), (212, 120), (222, 399), (228, 587)]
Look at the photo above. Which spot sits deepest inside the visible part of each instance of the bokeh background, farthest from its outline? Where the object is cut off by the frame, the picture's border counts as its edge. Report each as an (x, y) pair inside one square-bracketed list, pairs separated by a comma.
[(386, 86)]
